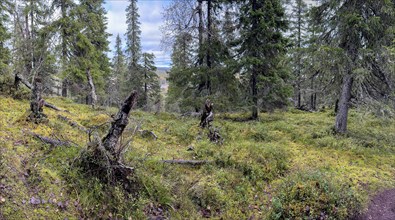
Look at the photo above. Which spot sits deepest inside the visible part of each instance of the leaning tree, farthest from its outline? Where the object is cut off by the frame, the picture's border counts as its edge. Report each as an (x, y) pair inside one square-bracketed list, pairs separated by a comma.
[(360, 28)]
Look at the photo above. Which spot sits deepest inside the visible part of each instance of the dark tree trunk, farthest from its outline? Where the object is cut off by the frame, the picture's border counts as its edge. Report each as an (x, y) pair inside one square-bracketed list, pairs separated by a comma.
[(313, 95), (298, 98), (254, 95), (17, 81), (64, 88), (208, 51), (92, 97), (145, 91), (254, 75), (200, 14), (110, 141), (64, 47), (342, 113)]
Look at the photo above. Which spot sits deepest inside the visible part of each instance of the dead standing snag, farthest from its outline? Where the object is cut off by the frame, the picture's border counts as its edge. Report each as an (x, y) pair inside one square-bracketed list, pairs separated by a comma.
[(104, 156), (207, 115)]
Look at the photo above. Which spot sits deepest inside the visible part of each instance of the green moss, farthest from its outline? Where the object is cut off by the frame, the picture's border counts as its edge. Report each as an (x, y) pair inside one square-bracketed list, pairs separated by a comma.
[(255, 162)]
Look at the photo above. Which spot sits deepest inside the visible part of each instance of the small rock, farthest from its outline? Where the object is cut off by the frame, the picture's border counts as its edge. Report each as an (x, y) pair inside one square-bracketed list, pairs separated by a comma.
[(2, 200), (190, 148), (34, 201)]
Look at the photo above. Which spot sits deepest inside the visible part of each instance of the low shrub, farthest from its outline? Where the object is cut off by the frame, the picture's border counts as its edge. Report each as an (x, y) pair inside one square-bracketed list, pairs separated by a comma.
[(314, 195)]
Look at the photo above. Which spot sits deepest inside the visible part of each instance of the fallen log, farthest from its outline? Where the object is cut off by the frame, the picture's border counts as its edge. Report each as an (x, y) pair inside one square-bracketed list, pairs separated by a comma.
[(147, 134), (187, 162), (29, 86), (52, 142), (72, 123)]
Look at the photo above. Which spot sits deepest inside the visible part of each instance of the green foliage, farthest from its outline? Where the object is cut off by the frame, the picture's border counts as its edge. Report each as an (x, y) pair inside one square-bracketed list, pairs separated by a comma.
[(314, 195), (89, 46), (261, 169)]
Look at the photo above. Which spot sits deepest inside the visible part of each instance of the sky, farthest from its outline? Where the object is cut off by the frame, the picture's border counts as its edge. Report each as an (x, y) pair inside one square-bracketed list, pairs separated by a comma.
[(150, 18)]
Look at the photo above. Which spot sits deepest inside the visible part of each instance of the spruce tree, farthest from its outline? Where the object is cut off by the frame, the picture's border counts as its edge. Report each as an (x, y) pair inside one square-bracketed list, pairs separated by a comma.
[(298, 28), (118, 75), (262, 45), (133, 52), (65, 26), (89, 61), (4, 36), (150, 81), (359, 28)]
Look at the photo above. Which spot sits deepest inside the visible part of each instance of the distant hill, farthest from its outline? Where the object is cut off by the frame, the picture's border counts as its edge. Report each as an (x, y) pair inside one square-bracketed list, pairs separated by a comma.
[(162, 73)]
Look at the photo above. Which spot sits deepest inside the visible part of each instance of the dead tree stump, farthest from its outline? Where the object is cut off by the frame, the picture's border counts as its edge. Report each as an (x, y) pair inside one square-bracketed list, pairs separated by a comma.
[(36, 104), (104, 156), (207, 115)]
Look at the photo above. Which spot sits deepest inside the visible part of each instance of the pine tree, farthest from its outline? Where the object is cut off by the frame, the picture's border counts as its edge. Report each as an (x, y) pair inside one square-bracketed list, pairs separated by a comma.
[(261, 47)]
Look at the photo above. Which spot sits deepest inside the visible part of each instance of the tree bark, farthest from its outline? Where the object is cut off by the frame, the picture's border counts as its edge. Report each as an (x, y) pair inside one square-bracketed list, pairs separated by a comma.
[(19, 79), (36, 103), (313, 95), (208, 51), (187, 162), (342, 113), (254, 74), (200, 14), (64, 88), (92, 97), (110, 141)]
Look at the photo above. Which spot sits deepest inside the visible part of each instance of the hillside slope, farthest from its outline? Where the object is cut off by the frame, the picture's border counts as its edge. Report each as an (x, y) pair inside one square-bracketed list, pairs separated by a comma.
[(287, 165)]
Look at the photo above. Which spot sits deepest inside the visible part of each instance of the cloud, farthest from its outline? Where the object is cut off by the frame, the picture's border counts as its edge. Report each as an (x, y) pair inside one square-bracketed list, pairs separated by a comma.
[(150, 19)]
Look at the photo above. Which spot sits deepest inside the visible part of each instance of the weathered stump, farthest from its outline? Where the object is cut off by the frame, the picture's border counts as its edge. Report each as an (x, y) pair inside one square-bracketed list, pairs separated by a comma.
[(104, 156), (36, 104)]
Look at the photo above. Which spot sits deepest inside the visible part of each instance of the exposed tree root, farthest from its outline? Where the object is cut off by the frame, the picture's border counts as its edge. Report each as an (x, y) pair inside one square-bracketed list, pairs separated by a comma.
[(103, 157)]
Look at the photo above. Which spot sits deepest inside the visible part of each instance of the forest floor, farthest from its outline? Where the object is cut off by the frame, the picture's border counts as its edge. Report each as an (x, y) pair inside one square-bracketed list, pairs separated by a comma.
[(288, 164)]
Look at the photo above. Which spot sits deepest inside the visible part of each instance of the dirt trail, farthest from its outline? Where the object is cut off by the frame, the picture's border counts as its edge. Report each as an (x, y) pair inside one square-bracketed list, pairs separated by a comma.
[(381, 207)]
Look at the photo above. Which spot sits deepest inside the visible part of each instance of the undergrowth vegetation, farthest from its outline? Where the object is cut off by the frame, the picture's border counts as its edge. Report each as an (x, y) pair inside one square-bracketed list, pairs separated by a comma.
[(286, 165)]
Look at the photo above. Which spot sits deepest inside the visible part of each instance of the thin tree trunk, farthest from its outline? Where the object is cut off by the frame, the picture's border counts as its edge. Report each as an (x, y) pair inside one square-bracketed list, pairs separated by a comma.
[(312, 101), (145, 87), (64, 88), (208, 51), (92, 97), (342, 113), (200, 14), (64, 47), (299, 97), (254, 94), (254, 74)]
